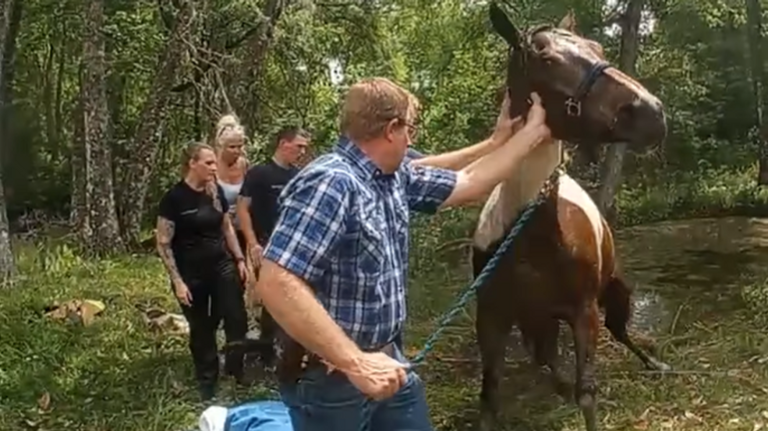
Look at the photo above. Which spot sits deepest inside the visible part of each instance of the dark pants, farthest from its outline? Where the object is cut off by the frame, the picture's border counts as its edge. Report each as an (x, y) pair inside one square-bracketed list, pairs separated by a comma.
[(217, 294), (320, 401), (267, 336)]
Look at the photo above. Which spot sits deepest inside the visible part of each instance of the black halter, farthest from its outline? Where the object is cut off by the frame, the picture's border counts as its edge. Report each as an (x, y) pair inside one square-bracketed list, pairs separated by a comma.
[(573, 101)]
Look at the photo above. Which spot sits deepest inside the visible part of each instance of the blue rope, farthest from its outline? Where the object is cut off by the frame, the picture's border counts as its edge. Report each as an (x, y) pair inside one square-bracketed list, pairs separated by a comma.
[(471, 290)]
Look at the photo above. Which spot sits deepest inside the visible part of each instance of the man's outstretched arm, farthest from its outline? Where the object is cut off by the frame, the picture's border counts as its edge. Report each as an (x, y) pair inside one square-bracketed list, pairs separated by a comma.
[(430, 189), (463, 157)]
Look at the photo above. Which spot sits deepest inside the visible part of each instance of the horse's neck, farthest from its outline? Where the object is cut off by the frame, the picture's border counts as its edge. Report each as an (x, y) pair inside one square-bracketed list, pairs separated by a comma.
[(509, 197), (524, 184)]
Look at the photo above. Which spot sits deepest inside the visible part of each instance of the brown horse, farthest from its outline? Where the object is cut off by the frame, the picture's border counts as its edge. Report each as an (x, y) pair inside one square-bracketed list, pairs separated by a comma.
[(562, 264)]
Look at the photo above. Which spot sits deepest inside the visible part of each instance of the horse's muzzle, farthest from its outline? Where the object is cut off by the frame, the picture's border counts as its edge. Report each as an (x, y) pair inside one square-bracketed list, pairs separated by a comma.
[(642, 123)]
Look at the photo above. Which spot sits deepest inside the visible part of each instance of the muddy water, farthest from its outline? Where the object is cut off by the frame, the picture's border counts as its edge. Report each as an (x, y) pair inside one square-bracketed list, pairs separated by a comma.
[(702, 264)]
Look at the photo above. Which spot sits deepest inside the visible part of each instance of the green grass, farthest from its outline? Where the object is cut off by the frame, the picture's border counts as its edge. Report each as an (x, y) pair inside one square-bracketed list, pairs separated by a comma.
[(116, 374)]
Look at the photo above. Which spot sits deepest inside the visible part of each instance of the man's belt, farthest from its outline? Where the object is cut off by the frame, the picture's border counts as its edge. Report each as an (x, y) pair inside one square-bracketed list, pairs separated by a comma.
[(294, 359), (312, 360)]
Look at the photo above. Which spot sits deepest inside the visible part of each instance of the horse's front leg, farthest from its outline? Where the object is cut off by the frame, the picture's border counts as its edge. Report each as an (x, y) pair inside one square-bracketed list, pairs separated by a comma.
[(492, 329), (585, 329)]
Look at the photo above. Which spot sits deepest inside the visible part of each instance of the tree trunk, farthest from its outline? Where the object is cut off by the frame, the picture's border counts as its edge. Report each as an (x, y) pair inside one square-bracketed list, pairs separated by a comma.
[(78, 216), (614, 157), (143, 149), (98, 161), (754, 41), (9, 71), (7, 261), (246, 77)]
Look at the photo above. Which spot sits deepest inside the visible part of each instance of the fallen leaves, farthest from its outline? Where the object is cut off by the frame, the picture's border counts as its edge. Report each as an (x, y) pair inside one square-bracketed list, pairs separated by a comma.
[(168, 323), (82, 311), (642, 421)]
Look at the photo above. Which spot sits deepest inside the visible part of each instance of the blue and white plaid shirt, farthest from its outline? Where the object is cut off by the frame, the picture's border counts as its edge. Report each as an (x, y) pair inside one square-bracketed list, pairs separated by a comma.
[(343, 228)]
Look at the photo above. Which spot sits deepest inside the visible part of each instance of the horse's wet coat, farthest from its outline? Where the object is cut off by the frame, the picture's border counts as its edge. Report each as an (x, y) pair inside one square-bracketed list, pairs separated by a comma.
[(562, 264), (508, 198)]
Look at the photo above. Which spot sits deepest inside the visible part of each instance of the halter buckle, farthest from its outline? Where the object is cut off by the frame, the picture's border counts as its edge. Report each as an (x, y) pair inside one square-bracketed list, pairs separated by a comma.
[(572, 107)]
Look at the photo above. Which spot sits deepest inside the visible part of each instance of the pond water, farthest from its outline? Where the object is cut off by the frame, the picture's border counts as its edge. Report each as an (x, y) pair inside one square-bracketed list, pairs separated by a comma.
[(688, 276), (694, 264)]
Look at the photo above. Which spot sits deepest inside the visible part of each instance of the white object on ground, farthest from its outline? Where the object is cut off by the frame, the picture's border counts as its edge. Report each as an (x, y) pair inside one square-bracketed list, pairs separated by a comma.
[(214, 418)]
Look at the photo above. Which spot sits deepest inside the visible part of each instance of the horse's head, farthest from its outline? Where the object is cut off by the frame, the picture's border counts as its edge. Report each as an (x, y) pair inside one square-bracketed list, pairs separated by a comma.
[(587, 101)]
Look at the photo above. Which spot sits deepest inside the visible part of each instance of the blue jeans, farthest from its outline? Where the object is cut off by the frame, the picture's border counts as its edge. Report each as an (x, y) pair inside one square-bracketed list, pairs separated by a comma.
[(329, 402)]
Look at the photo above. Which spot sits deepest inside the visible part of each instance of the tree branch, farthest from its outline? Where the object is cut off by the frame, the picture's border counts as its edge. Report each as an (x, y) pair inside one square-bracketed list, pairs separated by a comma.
[(167, 17), (615, 15), (229, 46)]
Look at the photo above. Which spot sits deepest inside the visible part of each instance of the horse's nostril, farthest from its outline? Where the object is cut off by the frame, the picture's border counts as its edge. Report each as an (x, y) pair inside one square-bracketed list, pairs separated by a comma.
[(642, 121), (641, 111)]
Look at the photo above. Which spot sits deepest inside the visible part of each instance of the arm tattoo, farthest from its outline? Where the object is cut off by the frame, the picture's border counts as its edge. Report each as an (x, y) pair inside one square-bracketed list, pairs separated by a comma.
[(164, 235)]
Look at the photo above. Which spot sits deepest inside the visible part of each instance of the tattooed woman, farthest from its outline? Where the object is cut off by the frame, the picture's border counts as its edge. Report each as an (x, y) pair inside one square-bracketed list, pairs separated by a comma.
[(232, 164), (198, 246)]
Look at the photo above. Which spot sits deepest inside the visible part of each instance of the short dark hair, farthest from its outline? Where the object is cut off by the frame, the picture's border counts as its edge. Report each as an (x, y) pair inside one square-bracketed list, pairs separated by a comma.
[(290, 133)]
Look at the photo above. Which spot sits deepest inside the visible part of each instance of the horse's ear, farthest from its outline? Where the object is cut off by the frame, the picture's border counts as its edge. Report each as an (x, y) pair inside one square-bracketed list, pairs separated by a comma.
[(568, 22), (503, 26)]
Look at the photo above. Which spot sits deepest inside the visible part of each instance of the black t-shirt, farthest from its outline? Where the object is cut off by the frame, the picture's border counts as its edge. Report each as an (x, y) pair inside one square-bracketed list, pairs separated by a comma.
[(198, 235), (263, 184)]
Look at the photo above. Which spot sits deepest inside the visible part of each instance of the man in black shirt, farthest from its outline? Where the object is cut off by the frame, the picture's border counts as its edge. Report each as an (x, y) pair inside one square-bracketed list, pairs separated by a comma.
[(257, 208)]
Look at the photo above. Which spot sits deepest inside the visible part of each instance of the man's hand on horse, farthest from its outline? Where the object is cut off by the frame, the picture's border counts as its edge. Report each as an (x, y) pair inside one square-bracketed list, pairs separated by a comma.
[(537, 116), (505, 125)]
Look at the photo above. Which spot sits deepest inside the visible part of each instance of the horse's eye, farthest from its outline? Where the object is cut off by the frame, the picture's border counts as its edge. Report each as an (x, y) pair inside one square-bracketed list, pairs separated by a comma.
[(539, 44)]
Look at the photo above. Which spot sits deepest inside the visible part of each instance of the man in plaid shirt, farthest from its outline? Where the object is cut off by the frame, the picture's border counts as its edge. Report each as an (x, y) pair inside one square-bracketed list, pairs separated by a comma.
[(335, 267)]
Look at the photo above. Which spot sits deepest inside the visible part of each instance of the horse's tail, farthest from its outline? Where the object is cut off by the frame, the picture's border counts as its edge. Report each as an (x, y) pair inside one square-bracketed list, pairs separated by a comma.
[(616, 299)]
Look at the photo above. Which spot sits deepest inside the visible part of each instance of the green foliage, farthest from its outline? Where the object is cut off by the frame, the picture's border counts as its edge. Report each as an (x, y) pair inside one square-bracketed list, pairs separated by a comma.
[(705, 193), (443, 50)]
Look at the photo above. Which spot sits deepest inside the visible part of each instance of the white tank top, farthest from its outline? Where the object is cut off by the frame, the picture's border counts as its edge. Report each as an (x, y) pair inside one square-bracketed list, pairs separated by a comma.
[(230, 195)]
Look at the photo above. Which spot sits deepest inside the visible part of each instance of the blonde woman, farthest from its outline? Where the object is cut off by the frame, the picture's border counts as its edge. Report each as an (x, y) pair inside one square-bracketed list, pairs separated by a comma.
[(232, 165)]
